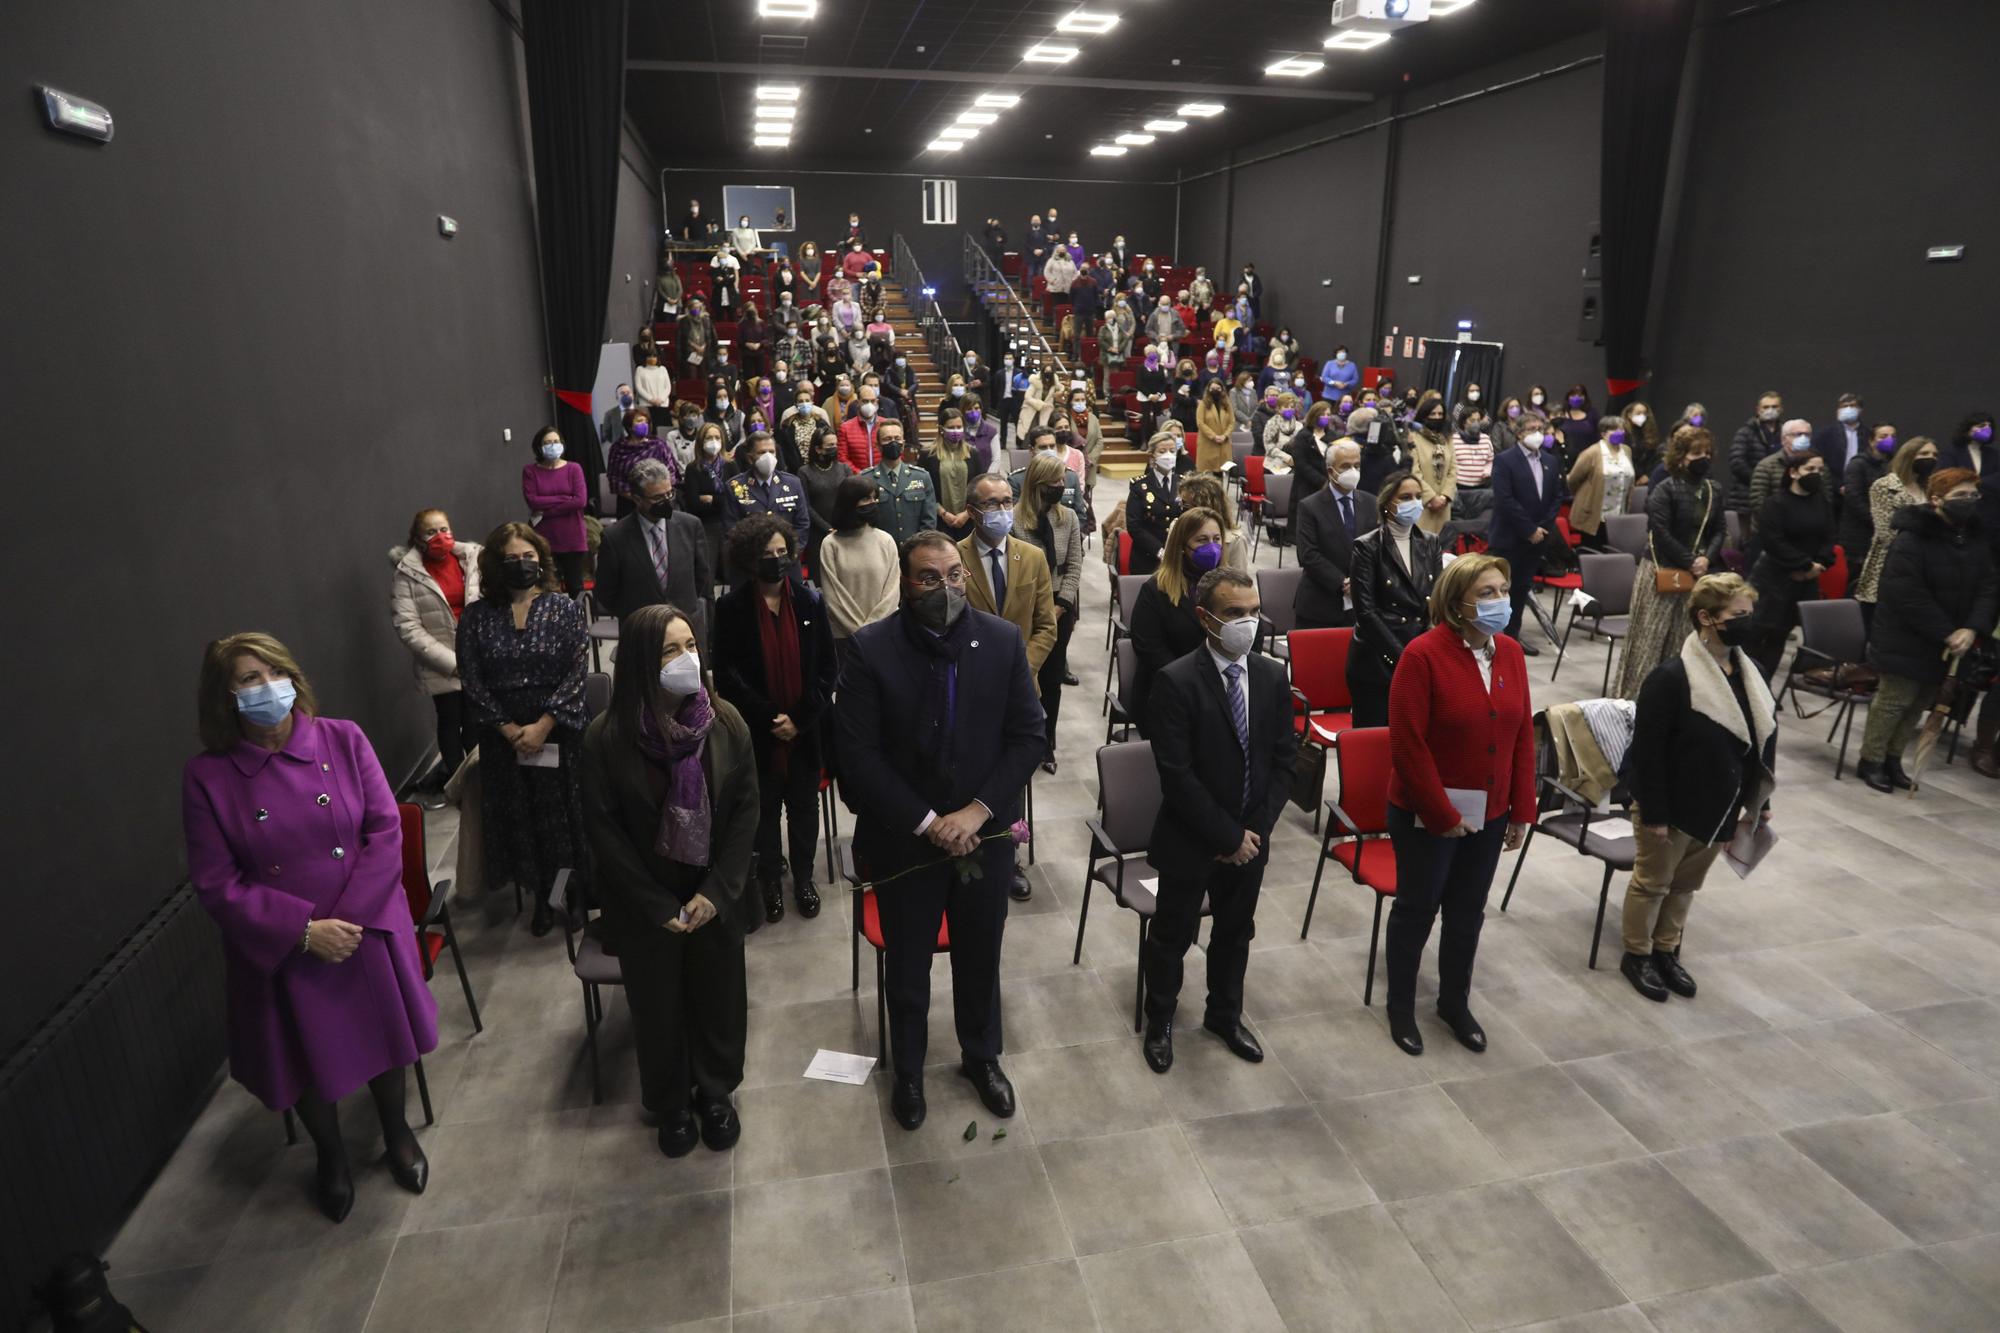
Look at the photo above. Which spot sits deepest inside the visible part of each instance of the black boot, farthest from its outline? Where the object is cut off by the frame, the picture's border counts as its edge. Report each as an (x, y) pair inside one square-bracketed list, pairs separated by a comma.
[(1872, 774), (1640, 970), (1672, 975), (1893, 766), (1403, 1030), (808, 898), (334, 1182), (774, 896)]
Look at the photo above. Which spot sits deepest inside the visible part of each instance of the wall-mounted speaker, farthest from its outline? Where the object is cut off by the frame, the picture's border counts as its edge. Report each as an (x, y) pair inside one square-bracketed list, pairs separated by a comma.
[(1590, 316), (1593, 255)]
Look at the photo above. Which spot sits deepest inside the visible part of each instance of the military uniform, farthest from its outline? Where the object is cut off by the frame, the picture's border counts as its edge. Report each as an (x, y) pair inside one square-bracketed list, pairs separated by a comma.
[(909, 503), (782, 495), (1151, 507)]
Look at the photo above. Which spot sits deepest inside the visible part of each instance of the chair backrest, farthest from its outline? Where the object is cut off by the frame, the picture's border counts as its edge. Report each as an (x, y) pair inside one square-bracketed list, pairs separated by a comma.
[(1834, 627), (1253, 476), (1833, 579), (1239, 449), (1128, 785), (416, 864), (1732, 527), (1278, 495), (1319, 668), (1626, 532), (1128, 593), (1635, 503), (1361, 759), (596, 693), (1124, 552), (1128, 668), (1608, 578), (1277, 589)]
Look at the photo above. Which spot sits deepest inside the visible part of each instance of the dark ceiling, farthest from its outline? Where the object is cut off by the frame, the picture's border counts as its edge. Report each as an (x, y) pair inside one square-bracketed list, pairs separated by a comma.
[(905, 53)]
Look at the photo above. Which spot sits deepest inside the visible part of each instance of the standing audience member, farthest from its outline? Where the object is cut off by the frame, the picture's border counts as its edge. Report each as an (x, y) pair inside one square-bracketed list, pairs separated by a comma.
[(671, 804), (522, 656), (1684, 534), (821, 475), (1394, 566), (1204, 490), (1795, 534), (1434, 462), (1857, 518), (1576, 426), (1339, 376), (1152, 504), (1840, 443), (1702, 759), (1328, 524), (1381, 448), (908, 505), (1224, 746), (1642, 436), (762, 489), (557, 496), (859, 448), (1907, 482), (656, 554), (1527, 492), (1214, 420), (858, 572), (703, 485), (952, 467), (295, 849), (655, 385), (1462, 738), (638, 442), (436, 578), (1756, 439), (1042, 518), (774, 661), (937, 740), (1599, 482), (1164, 625)]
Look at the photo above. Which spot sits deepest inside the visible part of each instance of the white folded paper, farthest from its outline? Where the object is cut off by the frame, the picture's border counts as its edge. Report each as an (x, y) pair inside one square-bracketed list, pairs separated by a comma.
[(549, 756), (1752, 843), (840, 1067), (1470, 802)]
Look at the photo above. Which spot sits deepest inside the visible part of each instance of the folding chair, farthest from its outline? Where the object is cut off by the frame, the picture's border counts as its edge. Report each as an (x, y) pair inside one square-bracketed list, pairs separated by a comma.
[(1277, 591), (430, 909), (601, 629), (1127, 659), (1277, 512), (1322, 706), (596, 693), (1361, 757), (1608, 580), (829, 818), (591, 965), (1127, 590), (1627, 533), (1563, 815), (1832, 634), (867, 915)]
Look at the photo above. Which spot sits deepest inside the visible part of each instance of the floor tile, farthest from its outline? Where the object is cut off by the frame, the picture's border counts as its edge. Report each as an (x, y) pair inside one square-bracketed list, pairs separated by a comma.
[(1292, 980), (517, 1076), (807, 1128), (951, 1105), (1503, 1257), (1202, 1284), (1777, 1076), (1079, 1091), (1875, 975), (1619, 1319), (815, 1237), (1540, 1120), (539, 1153), (1974, 1262), (1566, 1022), (1904, 1289), (497, 1277), (1918, 1184), (885, 1311), (163, 1299), (1645, 1229), (1780, 990), (1345, 1053), (1060, 1009), (1663, 1099), (1347, 1272), (1207, 1079), (633, 1268), (1761, 1304), (327, 1290), (1125, 1190), (977, 1214), (1049, 1298), (1966, 1030), (783, 1040), (1883, 1057), (1781, 1202), (1266, 1166), (619, 1163), (1415, 1141)]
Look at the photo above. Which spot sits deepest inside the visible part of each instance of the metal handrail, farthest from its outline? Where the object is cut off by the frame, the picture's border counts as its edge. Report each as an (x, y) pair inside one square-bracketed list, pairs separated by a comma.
[(979, 269), (936, 329)]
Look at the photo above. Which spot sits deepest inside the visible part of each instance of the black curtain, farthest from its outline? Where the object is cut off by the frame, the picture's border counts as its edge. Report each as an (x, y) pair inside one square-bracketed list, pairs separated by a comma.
[(1450, 366), (576, 96), (1645, 50)]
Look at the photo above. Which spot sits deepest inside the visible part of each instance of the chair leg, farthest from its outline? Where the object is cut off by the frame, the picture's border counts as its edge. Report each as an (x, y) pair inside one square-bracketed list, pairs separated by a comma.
[(291, 1127), (1562, 645), (1836, 723), (1082, 915), (1312, 899), (881, 1013), (590, 1040), (464, 982), (1521, 856), (424, 1093), (1847, 732), (856, 933), (1031, 821), (1139, 1000), (1610, 648), (1603, 897), (832, 830), (1374, 936)]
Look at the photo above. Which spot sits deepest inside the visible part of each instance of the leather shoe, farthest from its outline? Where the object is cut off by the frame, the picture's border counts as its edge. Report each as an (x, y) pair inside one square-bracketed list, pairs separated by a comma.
[(1464, 1027), (808, 896), (1069, 678), (678, 1134), (1893, 767), (774, 900), (336, 1189), (1644, 974), (1020, 890), (416, 1174), (1159, 1046), (1238, 1039), (1873, 775), (542, 920), (1672, 975), (720, 1127), (1529, 649), (906, 1103), (995, 1092), (1404, 1032)]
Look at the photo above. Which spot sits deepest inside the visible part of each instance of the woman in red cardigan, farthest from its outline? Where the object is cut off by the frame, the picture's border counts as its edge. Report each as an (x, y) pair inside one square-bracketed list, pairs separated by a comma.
[(1461, 734)]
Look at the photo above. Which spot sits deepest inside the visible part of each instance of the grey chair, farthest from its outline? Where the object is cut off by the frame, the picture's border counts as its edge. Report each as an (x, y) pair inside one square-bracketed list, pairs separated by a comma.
[(1127, 657), (596, 693), (1627, 533), (1732, 529), (1834, 637), (1278, 589), (602, 630), (1275, 514), (1635, 503), (592, 966), (1565, 816), (1128, 785), (1607, 580), (1126, 595)]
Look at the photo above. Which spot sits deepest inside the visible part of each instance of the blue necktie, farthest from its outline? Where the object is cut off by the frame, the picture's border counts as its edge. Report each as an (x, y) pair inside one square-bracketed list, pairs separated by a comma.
[(998, 556), (1239, 714), (1347, 514)]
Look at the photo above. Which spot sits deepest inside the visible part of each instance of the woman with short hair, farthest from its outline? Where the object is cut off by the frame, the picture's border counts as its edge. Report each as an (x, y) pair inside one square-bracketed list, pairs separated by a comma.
[(1392, 570), (1684, 534), (436, 578), (859, 572), (557, 497)]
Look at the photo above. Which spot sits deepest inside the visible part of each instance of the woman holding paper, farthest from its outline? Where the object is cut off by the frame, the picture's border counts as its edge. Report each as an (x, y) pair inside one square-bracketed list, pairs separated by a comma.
[(521, 660), (1701, 761), (670, 800), (1462, 738)]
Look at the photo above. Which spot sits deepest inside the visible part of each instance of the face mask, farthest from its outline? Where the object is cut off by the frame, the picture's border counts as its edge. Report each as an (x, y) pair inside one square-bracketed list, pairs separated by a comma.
[(1735, 632), (972, 417), (938, 609), (551, 451), (1492, 616), (1698, 468), (1850, 415), (971, 360), (958, 391), (1149, 268), (682, 676), (689, 425), (764, 392), (1340, 358), (1696, 419), (1960, 511), (954, 434), (642, 428), (1576, 400), (1435, 424), (1346, 406), (1767, 414), (1533, 440), (1513, 410), (782, 376), (996, 525), (438, 544), (521, 575), (1886, 445), (1078, 404), (1472, 397), (868, 410), (661, 506), (765, 464), (1536, 399), (1615, 437), (624, 400), (892, 450), (1288, 414), (1237, 636), (1051, 452), (1271, 401), (1205, 556), (773, 568), (901, 362), (1983, 434), (1408, 512), (722, 402), (1638, 418), (711, 446), (1347, 478), (1051, 496), (1152, 362), (1813, 483), (1923, 467), (268, 704), (1163, 463)]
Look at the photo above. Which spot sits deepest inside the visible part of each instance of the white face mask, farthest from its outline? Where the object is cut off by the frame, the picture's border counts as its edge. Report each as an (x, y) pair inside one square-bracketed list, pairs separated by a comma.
[(1532, 440), (1638, 418), (682, 676), (1472, 397), (1078, 404), (1163, 463), (1238, 636), (1347, 478), (711, 447), (1537, 400), (765, 464), (868, 409)]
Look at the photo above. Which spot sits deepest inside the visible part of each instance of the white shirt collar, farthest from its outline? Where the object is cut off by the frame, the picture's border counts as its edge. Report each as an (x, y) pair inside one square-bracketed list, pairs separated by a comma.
[(1223, 663)]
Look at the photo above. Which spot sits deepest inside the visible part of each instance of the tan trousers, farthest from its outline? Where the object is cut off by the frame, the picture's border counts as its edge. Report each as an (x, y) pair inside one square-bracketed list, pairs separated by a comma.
[(1665, 873)]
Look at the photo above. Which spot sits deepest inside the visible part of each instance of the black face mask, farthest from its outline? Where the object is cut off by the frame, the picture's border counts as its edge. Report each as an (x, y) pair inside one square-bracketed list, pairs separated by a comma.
[(1436, 425), (892, 450), (862, 517), (1812, 483), (1735, 633), (1961, 510), (1698, 468), (1051, 496), (773, 568), (1923, 467), (938, 609), (825, 457), (521, 575), (662, 506)]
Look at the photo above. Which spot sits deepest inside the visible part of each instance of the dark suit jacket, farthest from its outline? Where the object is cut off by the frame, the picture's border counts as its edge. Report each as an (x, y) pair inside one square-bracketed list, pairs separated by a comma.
[(1327, 555), (1830, 443), (1202, 810), (1391, 603), (626, 580), (1308, 466), (997, 737), (738, 661), (1517, 509)]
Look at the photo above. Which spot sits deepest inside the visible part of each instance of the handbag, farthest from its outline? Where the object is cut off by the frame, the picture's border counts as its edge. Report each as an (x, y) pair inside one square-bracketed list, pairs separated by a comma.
[(1677, 581)]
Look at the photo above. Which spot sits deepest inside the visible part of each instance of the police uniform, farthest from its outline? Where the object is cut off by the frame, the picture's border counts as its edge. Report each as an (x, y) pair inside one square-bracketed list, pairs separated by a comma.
[(1151, 507), (909, 504), (782, 495)]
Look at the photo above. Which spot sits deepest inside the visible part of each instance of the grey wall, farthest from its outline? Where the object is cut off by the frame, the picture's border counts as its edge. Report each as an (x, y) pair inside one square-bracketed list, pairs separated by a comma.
[(239, 357), (635, 247)]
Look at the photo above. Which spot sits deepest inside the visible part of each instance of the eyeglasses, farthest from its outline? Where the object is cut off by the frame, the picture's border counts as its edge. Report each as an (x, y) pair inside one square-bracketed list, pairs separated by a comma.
[(993, 506), (930, 580)]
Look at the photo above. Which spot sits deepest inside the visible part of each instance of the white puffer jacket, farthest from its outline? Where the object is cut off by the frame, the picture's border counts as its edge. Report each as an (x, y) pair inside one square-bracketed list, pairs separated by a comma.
[(423, 617)]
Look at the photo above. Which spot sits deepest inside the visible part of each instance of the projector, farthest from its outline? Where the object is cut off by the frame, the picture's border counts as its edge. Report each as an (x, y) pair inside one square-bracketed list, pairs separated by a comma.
[(1383, 11)]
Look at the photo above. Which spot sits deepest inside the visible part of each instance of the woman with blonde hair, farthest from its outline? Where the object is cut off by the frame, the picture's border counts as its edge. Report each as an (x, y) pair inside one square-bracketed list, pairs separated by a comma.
[(1905, 483), (1164, 625), (1282, 426), (1204, 490), (1038, 403), (1043, 519)]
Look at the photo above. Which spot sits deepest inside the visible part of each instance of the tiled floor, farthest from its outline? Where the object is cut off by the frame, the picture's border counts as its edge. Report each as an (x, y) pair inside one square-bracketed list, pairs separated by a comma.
[(1811, 1144)]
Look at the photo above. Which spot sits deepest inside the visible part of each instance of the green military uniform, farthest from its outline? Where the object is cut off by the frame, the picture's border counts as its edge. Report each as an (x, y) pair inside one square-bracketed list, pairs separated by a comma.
[(909, 504)]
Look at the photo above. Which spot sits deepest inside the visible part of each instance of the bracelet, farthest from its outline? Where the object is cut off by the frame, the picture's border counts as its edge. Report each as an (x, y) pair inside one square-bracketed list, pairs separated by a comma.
[(305, 937)]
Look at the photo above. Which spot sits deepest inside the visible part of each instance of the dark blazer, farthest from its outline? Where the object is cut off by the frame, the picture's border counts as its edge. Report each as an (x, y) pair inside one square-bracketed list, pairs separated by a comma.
[(626, 580), (737, 659), (1517, 509), (1203, 813), (1308, 465), (1161, 632), (997, 736), (1151, 506), (1694, 761), (1857, 523), (1326, 555), (1830, 443), (1391, 603), (639, 889)]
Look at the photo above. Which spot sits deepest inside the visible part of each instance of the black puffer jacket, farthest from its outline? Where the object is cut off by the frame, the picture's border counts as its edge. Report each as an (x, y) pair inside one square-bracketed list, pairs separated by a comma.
[(1938, 578), (1857, 524), (1684, 520)]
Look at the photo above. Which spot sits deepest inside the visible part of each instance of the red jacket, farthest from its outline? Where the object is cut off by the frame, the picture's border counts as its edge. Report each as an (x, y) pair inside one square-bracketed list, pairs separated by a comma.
[(1446, 730), (857, 442)]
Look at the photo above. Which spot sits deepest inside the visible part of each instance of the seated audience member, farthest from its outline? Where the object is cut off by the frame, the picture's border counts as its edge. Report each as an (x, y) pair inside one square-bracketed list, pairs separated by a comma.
[(1164, 624), (1392, 570), (656, 554), (435, 579), (1328, 524), (557, 496), (857, 572), (323, 986)]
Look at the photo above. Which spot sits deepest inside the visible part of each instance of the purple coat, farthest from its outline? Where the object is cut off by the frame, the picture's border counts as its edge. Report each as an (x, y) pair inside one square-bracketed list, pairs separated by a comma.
[(275, 838), (558, 495)]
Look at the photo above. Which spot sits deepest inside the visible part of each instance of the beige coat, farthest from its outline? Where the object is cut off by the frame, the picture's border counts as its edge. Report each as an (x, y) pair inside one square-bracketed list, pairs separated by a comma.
[(1036, 408), (1435, 466), (1586, 488), (1213, 424), (423, 618)]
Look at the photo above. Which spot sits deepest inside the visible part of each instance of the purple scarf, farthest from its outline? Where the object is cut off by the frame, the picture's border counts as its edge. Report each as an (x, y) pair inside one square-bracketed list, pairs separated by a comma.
[(684, 815)]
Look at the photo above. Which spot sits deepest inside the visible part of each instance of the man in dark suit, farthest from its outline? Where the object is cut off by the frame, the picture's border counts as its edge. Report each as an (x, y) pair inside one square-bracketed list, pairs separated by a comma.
[(1839, 442), (655, 554), (1220, 720), (1327, 523), (1527, 492), (939, 733)]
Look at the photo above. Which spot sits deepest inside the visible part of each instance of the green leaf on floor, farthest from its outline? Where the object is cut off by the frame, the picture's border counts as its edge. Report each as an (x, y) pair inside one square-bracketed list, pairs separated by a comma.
[(971, 1130)]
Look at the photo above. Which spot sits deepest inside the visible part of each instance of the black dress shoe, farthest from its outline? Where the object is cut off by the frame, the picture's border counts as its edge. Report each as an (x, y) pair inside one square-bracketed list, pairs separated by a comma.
[(1404, 1032), (1049, 762), (1238, 1039), (1893, 766), (542, 921), (720, 1127), (678, 1134), (906, 1103), (1874, 775), (414, 1174), (774, 900), (808, 897), (1465, 1027), (1069, 678), (1159, 1046), (336, 1189), (1020, 890), (1672, 975), (1529, 649), (995, 1092), (1640, 970)]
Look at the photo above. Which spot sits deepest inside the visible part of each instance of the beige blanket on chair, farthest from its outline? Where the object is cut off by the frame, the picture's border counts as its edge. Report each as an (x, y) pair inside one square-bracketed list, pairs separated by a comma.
[(1580, 763)]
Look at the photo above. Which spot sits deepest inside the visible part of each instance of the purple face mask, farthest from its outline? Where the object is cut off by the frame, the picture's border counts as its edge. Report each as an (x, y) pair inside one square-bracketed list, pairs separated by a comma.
[(1288, 414), (642, 429), (1152, 363), (1696, 419), (1616, 437), (954, 434), (1513, 409), (1206, 556), (1576, 400), (1886, 445), (972, 418), (1983, 434)]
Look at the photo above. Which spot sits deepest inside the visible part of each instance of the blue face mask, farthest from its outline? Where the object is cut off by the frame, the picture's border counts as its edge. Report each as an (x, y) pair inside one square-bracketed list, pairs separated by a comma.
[(1409, 511), (268, 704), (996, 525), (1492, 617)]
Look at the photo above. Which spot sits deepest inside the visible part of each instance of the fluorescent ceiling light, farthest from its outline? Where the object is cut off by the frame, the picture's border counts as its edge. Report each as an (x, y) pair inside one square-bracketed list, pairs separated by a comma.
[(786, 9), (1439, 8), (1355, 39), (772, 140), (946, 145), (1050, 53), (1107, 150), (1134, 138), (959, 132), (977, 118), (1082, 20), (1000, 100), (1202, 109), (777, 92), (1167, 126), (1294, 67), (776, 111)]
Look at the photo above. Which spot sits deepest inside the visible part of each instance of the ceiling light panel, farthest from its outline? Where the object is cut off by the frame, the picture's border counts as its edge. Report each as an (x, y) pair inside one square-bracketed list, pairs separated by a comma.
[(787, 9), (1356, 39), (772, 141), (1049, 53), (777, 92), (997, 101), (1134, 139), (1085, 22), (1166, 126), (1294, 67), (1107, 150), (961, 132), (945, 145), (1202, 109), (1440, 8), (977, 118)]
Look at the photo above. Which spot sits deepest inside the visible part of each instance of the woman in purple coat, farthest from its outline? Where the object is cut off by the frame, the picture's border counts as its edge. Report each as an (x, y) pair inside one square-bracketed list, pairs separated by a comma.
[(295, 848), (557, 496)]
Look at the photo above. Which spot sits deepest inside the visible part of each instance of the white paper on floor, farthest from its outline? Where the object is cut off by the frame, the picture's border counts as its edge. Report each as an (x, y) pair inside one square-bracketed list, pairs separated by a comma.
[(840, 1067)]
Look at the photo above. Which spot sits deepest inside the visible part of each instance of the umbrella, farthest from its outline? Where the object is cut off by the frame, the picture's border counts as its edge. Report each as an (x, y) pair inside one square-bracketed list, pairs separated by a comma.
[(1940, 713)]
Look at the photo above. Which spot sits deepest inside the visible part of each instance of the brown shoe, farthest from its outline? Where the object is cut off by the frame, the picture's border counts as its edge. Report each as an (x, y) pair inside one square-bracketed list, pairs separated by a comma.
[(1986, 764)]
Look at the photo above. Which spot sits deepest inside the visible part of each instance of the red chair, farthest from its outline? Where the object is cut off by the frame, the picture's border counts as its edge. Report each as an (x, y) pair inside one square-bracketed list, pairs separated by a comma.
[(1010, 263), (430, 908), (1123, 382), (1090, 351), (1124, 552), (1324, 707), (829, 819), (1253, 485), (1833, 580), (1362, 758), (868, 926)]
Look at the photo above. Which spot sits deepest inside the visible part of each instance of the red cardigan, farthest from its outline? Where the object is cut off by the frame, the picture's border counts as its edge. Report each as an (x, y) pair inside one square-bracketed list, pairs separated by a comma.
[(1445, 730)]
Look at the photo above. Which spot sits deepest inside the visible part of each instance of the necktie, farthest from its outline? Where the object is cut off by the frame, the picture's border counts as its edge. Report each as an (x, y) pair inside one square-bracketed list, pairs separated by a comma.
[(1347, 514), (656, 538), (1239, 715), (998, 556)]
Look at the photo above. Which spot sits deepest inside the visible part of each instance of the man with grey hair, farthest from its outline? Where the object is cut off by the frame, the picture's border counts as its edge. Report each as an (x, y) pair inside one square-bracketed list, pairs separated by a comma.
[(1328, 521), (1381, 448), (655, 554)]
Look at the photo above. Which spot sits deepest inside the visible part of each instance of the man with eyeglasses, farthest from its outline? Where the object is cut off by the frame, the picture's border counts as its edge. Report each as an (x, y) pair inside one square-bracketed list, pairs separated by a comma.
[(939, 731), (1009, 578)]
